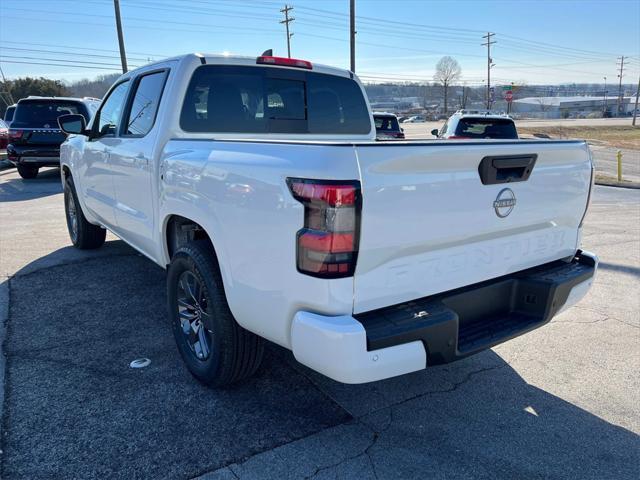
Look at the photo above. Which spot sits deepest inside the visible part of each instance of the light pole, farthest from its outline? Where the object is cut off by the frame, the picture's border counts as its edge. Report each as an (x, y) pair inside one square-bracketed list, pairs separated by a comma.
[(604, 108)]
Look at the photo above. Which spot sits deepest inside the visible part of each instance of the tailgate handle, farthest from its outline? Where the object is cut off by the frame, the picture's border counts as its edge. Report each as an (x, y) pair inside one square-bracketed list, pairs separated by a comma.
[(506, 168)]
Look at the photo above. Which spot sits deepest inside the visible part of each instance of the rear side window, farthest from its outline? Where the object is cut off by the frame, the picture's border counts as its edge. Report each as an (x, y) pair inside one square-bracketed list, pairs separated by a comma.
[(45, 113), (245, 99), (144, 106), (8, 115), (486, 128), (386, 124)]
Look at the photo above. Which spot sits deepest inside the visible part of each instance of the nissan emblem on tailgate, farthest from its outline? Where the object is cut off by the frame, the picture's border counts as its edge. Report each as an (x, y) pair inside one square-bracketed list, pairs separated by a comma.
[(504, 202)]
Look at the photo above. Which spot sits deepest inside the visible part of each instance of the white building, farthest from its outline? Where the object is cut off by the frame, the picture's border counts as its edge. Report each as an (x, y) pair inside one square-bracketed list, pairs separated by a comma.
[(571, 107)]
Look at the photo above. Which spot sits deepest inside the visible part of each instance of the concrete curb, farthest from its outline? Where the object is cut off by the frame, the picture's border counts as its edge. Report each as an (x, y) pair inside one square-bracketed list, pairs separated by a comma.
[(615, 183), (4, 318)]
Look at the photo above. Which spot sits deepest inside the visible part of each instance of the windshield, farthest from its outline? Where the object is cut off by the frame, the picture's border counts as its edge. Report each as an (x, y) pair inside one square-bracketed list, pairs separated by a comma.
[(487, 128), (386, 123), (246, 99), (44, 113)]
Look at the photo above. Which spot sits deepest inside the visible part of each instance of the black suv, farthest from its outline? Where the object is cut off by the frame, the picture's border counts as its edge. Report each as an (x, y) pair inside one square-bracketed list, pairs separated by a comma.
[(34, 135)]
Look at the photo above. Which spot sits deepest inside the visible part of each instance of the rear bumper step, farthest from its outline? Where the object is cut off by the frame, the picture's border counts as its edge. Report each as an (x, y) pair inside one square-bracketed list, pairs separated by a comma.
[(438, 329), (459, 323)]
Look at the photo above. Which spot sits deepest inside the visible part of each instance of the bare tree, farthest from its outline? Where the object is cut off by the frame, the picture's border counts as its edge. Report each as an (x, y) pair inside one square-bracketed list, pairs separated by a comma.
[(544, 103), (447, 71)]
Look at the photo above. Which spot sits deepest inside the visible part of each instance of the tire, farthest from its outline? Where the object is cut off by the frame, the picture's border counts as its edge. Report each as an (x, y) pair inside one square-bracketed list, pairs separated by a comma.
[(27, 172), (233, 353), (84, 235)]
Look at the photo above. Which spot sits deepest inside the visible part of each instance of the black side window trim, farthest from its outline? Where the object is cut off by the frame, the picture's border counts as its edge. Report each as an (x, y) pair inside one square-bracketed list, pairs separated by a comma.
[(122, 132), (96, 118)]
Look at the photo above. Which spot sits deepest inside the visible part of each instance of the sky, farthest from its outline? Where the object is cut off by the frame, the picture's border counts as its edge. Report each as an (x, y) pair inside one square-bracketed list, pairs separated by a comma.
[(537, 42)]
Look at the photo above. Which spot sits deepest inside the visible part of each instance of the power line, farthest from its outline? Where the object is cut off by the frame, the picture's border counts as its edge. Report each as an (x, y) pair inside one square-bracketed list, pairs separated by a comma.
[(75, 54), (79, 48), (2, 55), (60, 65)]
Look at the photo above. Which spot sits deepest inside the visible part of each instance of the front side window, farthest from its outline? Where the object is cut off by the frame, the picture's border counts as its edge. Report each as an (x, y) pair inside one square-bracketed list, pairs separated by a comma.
[(245, 99), (144, 107), (111, 110)]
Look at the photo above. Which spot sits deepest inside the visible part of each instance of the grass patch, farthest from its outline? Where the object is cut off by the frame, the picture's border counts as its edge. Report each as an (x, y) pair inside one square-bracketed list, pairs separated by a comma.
[(622, 136)]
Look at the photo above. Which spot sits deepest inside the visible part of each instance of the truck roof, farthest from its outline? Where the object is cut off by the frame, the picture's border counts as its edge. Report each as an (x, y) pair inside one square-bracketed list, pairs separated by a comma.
[(464, 113), (217, 59)]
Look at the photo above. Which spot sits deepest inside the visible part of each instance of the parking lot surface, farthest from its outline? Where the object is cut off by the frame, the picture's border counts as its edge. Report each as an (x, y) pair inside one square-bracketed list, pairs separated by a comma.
[(559, 402)]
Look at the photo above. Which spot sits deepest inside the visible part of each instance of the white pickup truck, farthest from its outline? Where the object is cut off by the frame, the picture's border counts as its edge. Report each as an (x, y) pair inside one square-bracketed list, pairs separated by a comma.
[(259, 186)]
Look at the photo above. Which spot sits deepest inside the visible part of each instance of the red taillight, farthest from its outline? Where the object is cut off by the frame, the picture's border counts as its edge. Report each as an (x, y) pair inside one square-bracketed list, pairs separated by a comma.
[(287, 62), (15, 134), (328, 242), (459, 137), (400, 135)]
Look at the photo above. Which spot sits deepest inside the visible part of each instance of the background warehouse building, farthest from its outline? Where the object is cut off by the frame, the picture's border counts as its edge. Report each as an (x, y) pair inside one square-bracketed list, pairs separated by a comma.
[(572, 107)]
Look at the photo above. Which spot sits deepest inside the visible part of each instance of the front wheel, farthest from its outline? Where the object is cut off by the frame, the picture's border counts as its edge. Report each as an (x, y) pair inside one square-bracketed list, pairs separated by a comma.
[(27, 171), (216, 350), (84, 235)]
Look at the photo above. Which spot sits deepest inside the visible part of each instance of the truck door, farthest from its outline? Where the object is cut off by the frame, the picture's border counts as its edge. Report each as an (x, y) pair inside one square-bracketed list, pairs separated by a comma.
[(97, 181), (132, 161)]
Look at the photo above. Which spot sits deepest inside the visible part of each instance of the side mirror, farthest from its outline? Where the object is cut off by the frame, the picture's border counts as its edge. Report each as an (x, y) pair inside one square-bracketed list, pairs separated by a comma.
[(74, 124), (434, 132)]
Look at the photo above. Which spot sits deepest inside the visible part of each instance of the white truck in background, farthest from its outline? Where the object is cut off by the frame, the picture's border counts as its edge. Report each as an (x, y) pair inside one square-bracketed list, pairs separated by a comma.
[(259, 186)]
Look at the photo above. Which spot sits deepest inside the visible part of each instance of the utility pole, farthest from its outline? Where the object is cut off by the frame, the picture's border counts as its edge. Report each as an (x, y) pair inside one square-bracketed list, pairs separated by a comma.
[(620, 85), (286, 21), (635, 110), (604, 103), (489, 65), (123, 56), (352, 15)]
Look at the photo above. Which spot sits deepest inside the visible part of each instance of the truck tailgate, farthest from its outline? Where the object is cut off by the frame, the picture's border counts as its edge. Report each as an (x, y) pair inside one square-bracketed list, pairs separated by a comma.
[(430, 223)]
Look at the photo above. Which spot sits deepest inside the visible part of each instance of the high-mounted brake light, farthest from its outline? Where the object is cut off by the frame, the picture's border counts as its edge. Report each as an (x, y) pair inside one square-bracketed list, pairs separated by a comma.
[(328, 242), (459, 137), (287, 62)]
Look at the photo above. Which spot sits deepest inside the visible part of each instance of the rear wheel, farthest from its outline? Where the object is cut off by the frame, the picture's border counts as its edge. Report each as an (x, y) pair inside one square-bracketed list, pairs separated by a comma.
[(27, 171), (84, 235), (216, 350)]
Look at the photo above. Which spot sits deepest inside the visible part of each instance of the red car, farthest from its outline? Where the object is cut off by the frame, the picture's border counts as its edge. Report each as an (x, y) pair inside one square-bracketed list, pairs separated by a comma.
[(4, 135)]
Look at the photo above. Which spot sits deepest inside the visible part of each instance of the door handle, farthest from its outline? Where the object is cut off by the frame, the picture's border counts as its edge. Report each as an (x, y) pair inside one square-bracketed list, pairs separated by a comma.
[(142, 158), (506, 168)]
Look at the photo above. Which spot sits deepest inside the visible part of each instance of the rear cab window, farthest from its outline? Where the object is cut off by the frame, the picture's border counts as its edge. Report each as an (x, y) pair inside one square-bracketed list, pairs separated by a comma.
[(38, 113), (386, 123), (247, 99), (502, 128)]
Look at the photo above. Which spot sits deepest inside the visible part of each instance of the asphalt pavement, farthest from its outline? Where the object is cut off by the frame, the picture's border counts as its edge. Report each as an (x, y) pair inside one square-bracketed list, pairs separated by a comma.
[(559, 402)]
